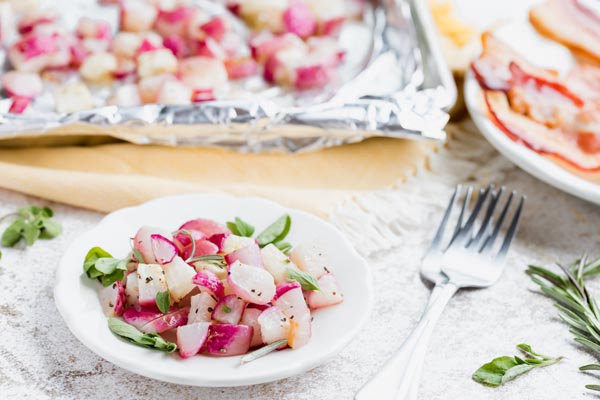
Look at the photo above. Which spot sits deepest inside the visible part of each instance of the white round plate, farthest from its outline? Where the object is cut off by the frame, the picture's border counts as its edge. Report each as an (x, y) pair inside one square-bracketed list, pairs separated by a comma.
[(539, 51), (76, 296)]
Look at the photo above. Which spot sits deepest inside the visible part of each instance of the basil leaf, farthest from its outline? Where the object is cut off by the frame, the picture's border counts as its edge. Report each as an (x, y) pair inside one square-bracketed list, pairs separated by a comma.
[(263, 351), (100, 264), (275, 232), (240, 227), (503, 369), (148, 340), (108, 280), (163, 301), (92, 256), (285, 247), (306, 280)]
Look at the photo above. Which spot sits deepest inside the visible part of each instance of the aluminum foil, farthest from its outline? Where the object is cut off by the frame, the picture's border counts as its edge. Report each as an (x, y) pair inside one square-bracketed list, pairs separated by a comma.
[(400, 87)]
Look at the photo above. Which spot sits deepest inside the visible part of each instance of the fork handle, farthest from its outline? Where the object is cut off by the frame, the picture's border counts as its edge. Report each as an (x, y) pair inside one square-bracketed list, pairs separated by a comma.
[(394, 380)]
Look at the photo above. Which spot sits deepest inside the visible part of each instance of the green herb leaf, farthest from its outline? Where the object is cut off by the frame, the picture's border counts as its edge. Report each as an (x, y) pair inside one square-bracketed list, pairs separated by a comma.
[(275, 232), (148, 340), (163, 301), (138, 256), (503, 369), (226, 309), (306, 280), (263, 351), (285, 247), (100, 264), (31, 223), (211, 257), (240, 227)]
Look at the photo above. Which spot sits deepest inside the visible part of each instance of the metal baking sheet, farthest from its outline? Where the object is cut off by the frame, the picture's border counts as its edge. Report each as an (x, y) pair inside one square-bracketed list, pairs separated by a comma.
[(402, 89)]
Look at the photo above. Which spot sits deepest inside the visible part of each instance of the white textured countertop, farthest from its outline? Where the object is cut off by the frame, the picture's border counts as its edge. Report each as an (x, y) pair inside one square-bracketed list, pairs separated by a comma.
[(39, 358)]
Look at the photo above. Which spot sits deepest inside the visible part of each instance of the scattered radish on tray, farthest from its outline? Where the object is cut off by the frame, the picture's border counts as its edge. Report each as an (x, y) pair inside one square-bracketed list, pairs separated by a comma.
[(220, 289)]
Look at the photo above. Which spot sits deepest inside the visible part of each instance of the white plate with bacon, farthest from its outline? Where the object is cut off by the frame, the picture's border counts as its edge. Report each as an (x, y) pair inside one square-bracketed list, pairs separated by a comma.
[(537, 101)]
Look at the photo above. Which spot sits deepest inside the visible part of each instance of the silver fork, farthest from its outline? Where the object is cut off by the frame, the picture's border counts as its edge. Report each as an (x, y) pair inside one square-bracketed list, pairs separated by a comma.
[(469, 260)]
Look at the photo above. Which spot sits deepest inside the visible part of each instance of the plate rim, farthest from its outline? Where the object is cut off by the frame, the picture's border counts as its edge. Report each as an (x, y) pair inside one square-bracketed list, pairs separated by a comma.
[(523, 157), (295, 369)]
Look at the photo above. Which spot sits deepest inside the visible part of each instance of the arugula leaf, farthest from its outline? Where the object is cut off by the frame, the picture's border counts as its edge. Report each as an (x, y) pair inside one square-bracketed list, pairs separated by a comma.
[(275, 232), (240, 227), (263, 351), (285, 247), (31, 223), (503, 369), (148, 340), (100, 264), (306, 280), (163, 301)]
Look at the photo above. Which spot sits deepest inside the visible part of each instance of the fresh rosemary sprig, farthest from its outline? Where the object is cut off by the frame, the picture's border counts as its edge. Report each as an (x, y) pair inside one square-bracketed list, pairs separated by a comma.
[(576, 307)]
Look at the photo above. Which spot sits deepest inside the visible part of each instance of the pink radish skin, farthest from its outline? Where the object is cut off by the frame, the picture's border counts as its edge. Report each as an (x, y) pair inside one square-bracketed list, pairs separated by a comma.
[(293, 305), (95, 29), (30, 21), (284, 287), (229, 310), (209, 47), (239, 68), (179, 276), (202, 306), (167, 322), (332, 27), (191, 338), (202, 95), (329, 293), (274, 325), (112, 299), (300, 20), (182, 240), (206, 226), (19, 105), (151, 280), (173, 22), (219, 239), (249, 255), (312, 77), (252, 284), (142, 241), (208, 280), (215, 28), (22, 84), (203, 248), (250, 318), (164, 250), (176, 45), (264, 46), (228, 340), (139, 316)]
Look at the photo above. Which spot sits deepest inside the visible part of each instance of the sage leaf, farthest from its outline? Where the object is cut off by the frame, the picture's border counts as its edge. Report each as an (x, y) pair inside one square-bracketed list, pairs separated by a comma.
[(503, 369), (306, 280), (275, 232), (163, 301), (240, 227), (263, 351), (30, 224), (148, 340)]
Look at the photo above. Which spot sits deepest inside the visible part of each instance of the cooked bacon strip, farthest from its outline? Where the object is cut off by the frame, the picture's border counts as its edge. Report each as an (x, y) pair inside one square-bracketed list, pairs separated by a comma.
[(492, 70), (565, 145), (570, 23)]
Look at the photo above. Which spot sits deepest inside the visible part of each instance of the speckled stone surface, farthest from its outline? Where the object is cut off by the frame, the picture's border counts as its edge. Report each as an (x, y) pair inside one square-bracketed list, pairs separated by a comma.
[(40, 359)]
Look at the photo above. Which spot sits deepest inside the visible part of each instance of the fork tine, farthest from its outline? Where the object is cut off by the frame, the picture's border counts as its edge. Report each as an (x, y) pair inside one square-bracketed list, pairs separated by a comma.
[(512, 231), (487, 218), (462, 210), (489, 241), (435, 244), (463, 231)]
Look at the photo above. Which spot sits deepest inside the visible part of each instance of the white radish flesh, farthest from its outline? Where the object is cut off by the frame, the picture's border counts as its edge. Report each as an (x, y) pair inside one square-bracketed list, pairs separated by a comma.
[(132, 290), (142, 242), (22, 84), (250, 318), (329, 293), (249, 255), (274, 325), (293, 305), (179, 276), (228, 340), (208, 280), (156, 62), (229, 310), (139, 316), (137, 15), (232, 243), (112, 299), (151, 280), (202, 306), (191, 338), (276, 262), (167, 322), (253, 284), (311, 258), (72, 97)]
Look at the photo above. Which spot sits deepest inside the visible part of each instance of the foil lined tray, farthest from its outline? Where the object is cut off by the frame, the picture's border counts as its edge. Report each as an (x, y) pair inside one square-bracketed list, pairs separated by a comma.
[(402, 89)]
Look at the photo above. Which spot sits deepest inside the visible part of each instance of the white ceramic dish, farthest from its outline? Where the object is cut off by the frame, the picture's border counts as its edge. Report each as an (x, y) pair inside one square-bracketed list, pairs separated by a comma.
[(77, 299), (546, 54)]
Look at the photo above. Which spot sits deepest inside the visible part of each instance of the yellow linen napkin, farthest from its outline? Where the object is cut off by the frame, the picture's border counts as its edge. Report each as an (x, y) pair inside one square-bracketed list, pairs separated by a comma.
[(110, 176)]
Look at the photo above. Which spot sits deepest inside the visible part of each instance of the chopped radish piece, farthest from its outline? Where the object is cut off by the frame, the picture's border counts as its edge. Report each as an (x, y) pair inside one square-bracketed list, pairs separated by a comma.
[(229, 310), (98, 67), (265, 45), (292, 304), (112, 299), (218, 270), (174, 22), (151, 280), (241, 67), (142, 241), (253, 284), (284, 287), (312, 77), (300, 20), (156, 62), (7, 23), (163, 249), (202, 72), (249, 255), (149, 88), (179, 276), (274, 325), (201, 95), (132, 290), (203, 248), (209, 47), (250, 318), (72, 97), (202, 306), (209, 280), (18, 105), (126, 44), (33, 53), (137, 15), (22, 84), (191, 338), (95, 29), (215, 28), (228, 340), (329, 293), (166, 322), (264, 14), (207, 227), (174, 92), (276, 263), (231, 243), (311, 258), (183, 239), (176, 45), (125, 96), (30, 20), (139, 316)]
